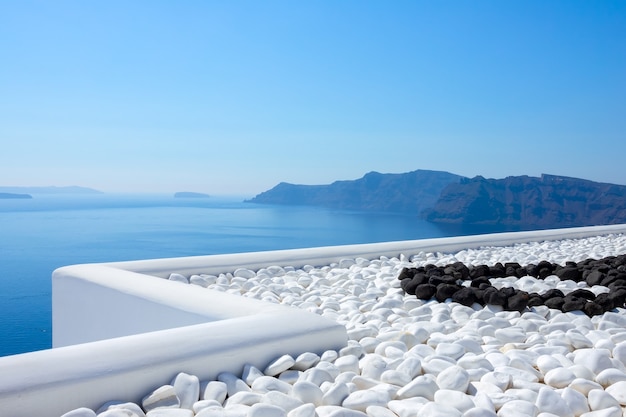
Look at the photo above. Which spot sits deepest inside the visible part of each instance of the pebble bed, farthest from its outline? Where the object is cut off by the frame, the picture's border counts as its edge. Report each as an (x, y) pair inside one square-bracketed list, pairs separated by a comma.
[(409, 357)]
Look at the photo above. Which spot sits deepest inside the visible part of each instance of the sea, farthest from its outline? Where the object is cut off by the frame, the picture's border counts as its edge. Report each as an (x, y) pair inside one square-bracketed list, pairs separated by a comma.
[(49, 231)]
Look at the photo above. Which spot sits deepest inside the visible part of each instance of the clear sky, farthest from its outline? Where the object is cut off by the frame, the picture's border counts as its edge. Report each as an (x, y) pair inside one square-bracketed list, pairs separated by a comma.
[(233, 97)]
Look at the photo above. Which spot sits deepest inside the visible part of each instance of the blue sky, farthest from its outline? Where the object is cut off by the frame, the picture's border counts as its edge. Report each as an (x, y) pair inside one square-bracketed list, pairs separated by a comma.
[(232, 97)]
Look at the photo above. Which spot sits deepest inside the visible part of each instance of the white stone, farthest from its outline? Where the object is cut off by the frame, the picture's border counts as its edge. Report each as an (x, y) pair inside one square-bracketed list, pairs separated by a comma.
[(452, 350), (392, 376), (518, 408), (266, 410), (618, 391), (305, 410), (421, 386), (244, 273), (215, 390), (456, 399), (546, 363), (316, 376), (169, 412), (453, 378), (610, 376), (479, 412), (178, 278), (605, 412), (597, 360), (128, 406), (336, 394), (360, 400), (551, 402), (80, 412), (412, 366), (265, 384), (202, 404), (439, 410), (501, 380), (372, 365), (279, 365), (576, 401), (164, 396), (409, 407), (378, 411), (281, 400), (243, 398), (305, 361), (619, 352), (584, 386), (307, 392), (187, 389), (250, 374), (348, 363), (559, 377)]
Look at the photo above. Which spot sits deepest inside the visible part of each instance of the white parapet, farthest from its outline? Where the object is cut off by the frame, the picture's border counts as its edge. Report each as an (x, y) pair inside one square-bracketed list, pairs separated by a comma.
[(120, 330)]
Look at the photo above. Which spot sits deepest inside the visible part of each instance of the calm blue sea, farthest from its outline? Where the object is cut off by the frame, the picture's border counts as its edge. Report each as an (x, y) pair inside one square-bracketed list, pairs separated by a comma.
[(49, 231)]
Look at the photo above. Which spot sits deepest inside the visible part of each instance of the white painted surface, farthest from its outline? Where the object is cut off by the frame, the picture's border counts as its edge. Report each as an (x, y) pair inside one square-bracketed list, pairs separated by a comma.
[(219, 333)]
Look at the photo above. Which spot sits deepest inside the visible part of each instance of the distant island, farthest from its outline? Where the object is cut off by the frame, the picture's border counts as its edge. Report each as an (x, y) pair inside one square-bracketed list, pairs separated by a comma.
[(441, 197), (49, 190), (7, 196), (189, 194)]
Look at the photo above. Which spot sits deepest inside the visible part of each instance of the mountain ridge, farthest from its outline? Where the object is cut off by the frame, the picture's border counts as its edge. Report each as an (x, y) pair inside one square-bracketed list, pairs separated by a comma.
[(548, 201), (372, 192)]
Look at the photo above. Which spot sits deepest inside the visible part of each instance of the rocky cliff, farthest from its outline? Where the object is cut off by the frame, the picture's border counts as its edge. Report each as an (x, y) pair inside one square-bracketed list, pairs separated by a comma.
[(410, 192), (543, 202)]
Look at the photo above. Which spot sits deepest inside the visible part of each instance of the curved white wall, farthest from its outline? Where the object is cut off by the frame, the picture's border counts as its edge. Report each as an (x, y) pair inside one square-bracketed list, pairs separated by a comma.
[(137, 331)]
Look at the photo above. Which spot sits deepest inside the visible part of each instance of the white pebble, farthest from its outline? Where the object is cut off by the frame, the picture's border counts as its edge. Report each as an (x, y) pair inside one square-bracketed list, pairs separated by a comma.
[(164, 396), (187, 389), (279, 365), (618, 391)]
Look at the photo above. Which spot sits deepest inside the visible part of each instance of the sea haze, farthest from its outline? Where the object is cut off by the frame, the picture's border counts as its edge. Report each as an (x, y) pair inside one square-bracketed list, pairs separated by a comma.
[(50, 231)]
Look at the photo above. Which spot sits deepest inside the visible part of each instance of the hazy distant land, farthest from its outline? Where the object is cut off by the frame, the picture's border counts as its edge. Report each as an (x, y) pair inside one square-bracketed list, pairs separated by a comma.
[(6, 196), (49, 190), (190, 194), (548, 201)]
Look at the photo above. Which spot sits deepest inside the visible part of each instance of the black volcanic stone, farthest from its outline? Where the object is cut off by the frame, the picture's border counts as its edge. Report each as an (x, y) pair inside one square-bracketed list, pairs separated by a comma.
[(569, 272), (407, 273), (425, 291), (593, 309), (551, 293), (480, 280), (594, 278), (461, 268), (494, 297), (518, 301), (407, 286), (479, 271), (605, 301), (535, 301), (573, 303), (532, 270), (465, 296), (618, 297), (582, 293), (443, 279), (445, 291), (554, 302)]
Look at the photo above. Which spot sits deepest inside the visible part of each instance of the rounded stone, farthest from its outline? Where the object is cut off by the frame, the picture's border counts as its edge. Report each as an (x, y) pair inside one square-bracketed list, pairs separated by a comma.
[(453, 378), (599, 399), (559, 377), (279, 365), (618, 391)]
